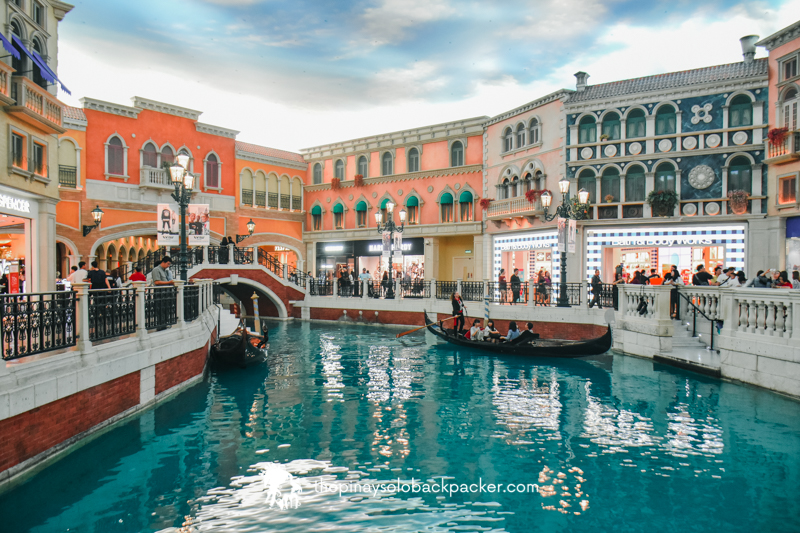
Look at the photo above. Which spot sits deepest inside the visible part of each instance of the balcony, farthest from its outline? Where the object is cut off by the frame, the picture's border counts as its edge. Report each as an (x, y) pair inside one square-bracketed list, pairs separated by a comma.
[(513, 207), (783, 152), (156, 178), (5, 85), (67, 176), (34, 105)]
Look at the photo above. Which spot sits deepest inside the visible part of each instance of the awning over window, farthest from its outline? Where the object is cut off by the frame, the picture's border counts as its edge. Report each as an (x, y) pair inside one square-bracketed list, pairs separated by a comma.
[(446, 198), (47, 74), (9, 47), (466, 197), (316, 210), (412, 201), (338, 208), (361, 206), (384, 202)]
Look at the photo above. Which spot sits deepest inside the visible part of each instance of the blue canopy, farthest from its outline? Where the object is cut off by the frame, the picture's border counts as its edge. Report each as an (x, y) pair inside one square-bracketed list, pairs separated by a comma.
[(9, 47), (47, 74)]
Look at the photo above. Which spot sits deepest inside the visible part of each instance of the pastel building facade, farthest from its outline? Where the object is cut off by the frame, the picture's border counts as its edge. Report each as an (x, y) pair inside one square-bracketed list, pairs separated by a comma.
[(434, 173), (783, 145)]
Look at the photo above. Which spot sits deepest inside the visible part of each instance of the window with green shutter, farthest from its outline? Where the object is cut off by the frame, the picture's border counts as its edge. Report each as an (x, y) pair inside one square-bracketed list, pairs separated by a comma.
[(665, 120), (635, 124), (587, 181), (587, 130), (740, 175), (635, 184), (609, 184), (665, 177), (740, 112), (611, 126)]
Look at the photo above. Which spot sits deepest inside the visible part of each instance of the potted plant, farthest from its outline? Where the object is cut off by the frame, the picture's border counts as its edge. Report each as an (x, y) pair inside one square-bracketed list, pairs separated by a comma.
[(662, 202), (609, 198), (485, 203), (582, 210), (737, 201), (604, 137), (335, 183), (776, 136), (359, 180)]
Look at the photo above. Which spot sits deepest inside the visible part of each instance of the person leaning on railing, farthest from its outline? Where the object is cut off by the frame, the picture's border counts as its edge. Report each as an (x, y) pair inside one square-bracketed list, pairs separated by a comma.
[(161, 274)]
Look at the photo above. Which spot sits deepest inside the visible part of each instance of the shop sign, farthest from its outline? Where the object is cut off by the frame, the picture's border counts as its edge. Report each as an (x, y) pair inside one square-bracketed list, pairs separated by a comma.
[(663, 241), (378, 248), (572, 231), (531, 245), (14, 204)]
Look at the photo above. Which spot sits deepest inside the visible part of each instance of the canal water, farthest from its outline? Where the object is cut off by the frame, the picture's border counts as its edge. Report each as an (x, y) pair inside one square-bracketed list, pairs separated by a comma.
[(412, 435)]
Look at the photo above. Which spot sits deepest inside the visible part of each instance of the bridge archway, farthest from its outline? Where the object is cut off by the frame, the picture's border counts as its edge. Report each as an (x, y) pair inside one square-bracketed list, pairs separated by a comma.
[(263, 291)]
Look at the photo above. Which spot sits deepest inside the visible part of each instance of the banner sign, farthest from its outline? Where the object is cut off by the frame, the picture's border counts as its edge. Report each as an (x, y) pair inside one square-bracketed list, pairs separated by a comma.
[(387, 241), (398, 242), (167, 225), (198, 225), (571, 234), (562, 234)]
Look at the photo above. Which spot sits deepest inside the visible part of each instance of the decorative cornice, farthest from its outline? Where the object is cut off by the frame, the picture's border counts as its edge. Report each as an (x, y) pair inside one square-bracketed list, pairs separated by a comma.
[(109, 107), (397, 178), (161, 107), (75, 124), (60, 9), (257, 158), (781, 37), (415, 230), (436, 132), (559, 94), (216, 130)]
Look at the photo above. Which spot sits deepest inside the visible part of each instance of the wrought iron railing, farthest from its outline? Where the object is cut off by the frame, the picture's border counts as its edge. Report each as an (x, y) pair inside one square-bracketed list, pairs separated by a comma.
[(261, 199), (247, 197), (297, 276), (472, 291), (346, 288), (378, 288), (35, 323), (285, 201), (67, 176), (606, 298), (573, 293), (415, 288), (217, 294), (320, 288), (112, 313), (242, 256), (445, 289), (296, 203), (191, 302), (160, 307), (270, 262), (497, 292), (272, 200)]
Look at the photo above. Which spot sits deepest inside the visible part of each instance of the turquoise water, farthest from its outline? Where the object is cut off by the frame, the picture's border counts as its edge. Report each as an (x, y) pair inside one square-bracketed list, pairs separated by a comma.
[(614, 444)]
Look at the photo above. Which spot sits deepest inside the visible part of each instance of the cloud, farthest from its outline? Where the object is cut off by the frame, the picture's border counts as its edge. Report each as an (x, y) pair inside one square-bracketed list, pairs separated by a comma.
[(390, 22), (402, 84)]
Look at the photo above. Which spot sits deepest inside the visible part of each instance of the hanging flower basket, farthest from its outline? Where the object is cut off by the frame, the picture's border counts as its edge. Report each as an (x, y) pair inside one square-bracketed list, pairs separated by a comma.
[(662, 202), (776, 136), (335, 183), (359, 180), (485, 203), (609, 198), (737, 201)]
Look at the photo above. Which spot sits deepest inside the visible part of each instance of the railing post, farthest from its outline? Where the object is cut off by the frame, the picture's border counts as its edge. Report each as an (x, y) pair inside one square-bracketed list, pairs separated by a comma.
[(255, 256), (205, 255), (622, 300), (433, 289), (365, 288), (585, 293), (458, 288), (82, 312), (230, 254), (285, 271), (531, 288), (335, 288), (141, 327), (179, 309), (397, 289)]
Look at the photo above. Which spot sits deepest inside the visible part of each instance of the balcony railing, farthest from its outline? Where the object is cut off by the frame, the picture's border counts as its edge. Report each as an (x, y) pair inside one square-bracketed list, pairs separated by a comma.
[(112, 313), (36, 105), (285, 201), (67, 176), (160, 307), (261, 199), (155, 177), (34, 323), (272, 200), (786, 150), (247, 196), (296, 203), (191, 302), (519, 206)]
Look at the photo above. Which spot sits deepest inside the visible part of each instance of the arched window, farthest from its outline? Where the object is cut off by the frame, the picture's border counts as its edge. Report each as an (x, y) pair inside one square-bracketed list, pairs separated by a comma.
[(18, 64), (386, 164), (413, 160), (150, 155), (338, 216), (508, 140), (385, 210), (740, 112), (665, 177), (67, 164), (446, 205), (338, 169), (38, 79), (457, 154), (635, 184), (503, 190), (538, 180), (361, 214), (740, 175), (790, 108), (412, 210), (317, 174), (587, 181), (513, 190), (167, 155), (533, 135), (587, 130), (520, 135), (363, 166), (609, 185), (635, 124), (466, 206), (611, 126), (212, 172), (665, 120), (115, 157), (260, 187), (316, 217), (247, 187)]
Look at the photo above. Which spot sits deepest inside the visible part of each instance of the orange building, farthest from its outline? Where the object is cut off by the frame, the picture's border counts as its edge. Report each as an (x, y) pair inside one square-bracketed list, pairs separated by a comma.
[(113, 156), (434, 173)]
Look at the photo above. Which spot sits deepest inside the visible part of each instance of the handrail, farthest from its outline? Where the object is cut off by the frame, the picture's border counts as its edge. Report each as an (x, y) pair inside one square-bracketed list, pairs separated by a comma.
[(694, 318)]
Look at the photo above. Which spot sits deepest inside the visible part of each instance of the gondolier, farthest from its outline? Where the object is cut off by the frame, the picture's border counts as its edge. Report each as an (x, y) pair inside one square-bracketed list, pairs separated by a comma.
[(458, 311)]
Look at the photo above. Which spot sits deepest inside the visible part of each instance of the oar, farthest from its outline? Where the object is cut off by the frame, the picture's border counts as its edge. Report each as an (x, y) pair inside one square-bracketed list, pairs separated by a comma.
[(423, 327)]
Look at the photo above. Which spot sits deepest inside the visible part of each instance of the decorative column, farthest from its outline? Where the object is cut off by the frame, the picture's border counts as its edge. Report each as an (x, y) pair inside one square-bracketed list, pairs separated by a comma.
[(531, 293), (230, 254), (82, 327), (205, 255), (141, 328), (179, 285), (335, 288), (433, 290), (584, 293), (365, 288)]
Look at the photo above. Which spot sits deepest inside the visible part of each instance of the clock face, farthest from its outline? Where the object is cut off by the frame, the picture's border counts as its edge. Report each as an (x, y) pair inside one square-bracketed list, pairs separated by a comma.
[(701, 177)]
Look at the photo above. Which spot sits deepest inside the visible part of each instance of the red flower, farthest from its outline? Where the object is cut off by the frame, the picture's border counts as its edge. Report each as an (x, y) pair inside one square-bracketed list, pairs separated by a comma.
[(335, 182), (777, 135), (359, 180), (484, 203)]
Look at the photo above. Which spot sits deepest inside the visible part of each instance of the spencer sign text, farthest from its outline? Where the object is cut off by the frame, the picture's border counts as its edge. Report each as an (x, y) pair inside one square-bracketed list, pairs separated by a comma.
[(14, 204)]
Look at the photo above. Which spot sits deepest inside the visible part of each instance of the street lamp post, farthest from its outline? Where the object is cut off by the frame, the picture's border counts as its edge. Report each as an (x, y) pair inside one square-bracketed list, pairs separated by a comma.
[(183, 181), (392, 228), (565, 210)]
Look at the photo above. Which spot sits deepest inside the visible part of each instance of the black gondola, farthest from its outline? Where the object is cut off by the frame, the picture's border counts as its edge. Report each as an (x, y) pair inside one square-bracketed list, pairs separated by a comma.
[(529, 346), (241, 348)]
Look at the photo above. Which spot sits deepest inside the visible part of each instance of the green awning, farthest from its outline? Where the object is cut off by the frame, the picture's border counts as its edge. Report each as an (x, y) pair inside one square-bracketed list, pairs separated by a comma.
[(361, 206), (316, 210), (446, 198), (412, 201), (466, 197), (384, 202), (338, 208)]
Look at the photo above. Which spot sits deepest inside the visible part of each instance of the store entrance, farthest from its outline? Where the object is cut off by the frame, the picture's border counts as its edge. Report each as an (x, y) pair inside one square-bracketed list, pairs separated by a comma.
[(13, 253), (661, 259)]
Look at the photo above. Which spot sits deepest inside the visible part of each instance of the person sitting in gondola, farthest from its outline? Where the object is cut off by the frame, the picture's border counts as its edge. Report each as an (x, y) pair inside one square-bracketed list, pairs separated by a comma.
[(526, 336), (458, 311), (490, 333), (476, 331), (513, 331)]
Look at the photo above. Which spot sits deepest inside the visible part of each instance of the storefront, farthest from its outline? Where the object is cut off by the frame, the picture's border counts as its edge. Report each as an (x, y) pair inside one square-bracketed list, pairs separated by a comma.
[(285, 255), (792, 244), (530, 252), (16, 243), (333, 256), (661, 247)]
